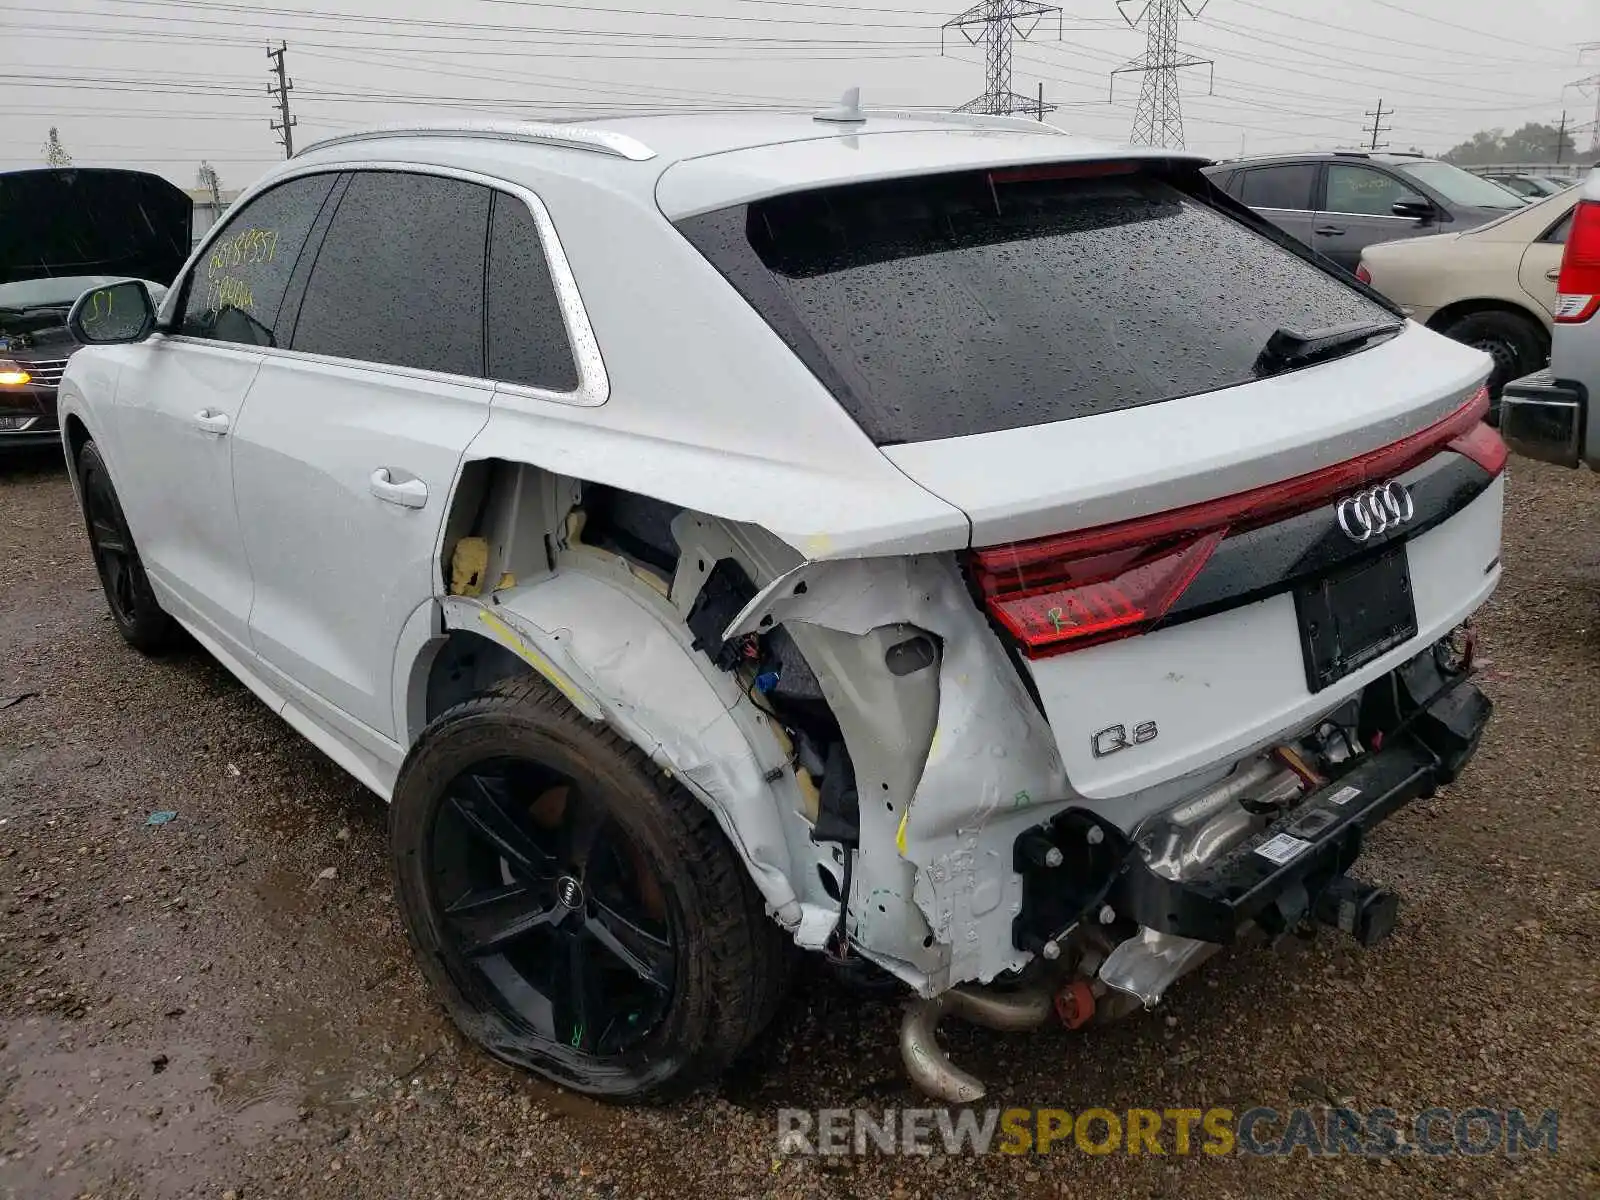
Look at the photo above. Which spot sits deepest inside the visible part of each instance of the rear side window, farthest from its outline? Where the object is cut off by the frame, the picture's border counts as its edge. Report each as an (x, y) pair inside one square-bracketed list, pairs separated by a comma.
[(237, 288), (1361, 191), (527, 332), (1288, 186), (399, 277), (961, 304)]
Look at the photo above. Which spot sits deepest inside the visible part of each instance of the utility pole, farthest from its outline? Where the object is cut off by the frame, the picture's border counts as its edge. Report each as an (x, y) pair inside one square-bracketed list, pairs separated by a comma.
[(1377, 125), (284, 126), (996, 23), (1158, 121), (1561, 137)]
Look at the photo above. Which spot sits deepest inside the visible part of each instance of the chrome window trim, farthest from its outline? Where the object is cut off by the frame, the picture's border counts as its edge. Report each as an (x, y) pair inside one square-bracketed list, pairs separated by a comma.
[(594, 385), (1365, 216)]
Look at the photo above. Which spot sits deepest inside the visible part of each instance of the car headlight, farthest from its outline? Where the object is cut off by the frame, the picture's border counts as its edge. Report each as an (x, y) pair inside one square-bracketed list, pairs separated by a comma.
[(12, 374)]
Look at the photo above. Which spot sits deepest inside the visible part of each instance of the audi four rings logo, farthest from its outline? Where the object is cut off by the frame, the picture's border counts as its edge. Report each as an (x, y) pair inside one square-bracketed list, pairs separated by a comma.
[(1375, 511)]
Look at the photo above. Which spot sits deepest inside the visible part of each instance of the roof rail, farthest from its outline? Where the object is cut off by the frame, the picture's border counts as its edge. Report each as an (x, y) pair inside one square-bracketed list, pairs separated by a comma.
[(568, 137)]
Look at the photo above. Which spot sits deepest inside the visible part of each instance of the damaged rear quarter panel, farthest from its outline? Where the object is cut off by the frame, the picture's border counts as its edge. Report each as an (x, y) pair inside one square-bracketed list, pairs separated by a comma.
[(992, 767), (617, 651)]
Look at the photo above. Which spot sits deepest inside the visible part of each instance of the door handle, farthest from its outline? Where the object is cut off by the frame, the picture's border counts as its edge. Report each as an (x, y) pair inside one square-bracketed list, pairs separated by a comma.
[(1553, 274), (211, 421), (1329, 230), (413, 493)]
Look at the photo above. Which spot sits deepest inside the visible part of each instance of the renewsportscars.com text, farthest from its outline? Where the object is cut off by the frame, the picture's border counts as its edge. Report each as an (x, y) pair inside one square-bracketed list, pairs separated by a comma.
[(1260, 1132)]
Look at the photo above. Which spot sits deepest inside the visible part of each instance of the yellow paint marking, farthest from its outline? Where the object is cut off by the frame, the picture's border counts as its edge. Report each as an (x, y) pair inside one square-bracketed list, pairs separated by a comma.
[(536, 660), (900, 834)]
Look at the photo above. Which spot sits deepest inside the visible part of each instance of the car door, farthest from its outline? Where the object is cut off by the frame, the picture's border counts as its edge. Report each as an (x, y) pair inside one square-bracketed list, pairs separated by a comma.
[(1358, 210), (350, 442), (1284, 194), (1541, 263), (179, 404)]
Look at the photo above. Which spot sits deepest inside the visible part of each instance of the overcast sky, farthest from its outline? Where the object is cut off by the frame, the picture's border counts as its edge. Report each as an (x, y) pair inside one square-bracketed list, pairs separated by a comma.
[(163, 84)]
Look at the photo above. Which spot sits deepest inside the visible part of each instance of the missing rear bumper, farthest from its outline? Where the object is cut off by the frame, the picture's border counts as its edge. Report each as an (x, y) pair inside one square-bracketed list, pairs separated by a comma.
[(1423, 726)]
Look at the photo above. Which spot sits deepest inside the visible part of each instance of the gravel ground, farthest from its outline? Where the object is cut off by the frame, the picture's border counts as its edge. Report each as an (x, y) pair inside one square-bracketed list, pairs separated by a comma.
[(224, 1005)]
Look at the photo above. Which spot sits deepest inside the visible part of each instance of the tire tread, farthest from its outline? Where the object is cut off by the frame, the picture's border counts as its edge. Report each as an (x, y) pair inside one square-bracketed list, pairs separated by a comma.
[(747, 955)]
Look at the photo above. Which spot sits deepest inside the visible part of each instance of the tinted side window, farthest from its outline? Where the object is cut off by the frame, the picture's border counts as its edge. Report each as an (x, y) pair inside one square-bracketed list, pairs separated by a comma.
[(1559, 231), (527, 332), (399, 278), (1287, 186), (237, 289), (1364, 192)]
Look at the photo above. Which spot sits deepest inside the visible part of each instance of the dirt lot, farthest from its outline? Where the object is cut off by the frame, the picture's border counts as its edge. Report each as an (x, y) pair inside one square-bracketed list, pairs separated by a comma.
[(224, 1005)]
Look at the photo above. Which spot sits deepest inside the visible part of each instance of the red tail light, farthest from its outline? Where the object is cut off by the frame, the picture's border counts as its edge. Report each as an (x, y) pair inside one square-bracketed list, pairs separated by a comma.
[(1580, 267), (1073, 590), (1364, 275)]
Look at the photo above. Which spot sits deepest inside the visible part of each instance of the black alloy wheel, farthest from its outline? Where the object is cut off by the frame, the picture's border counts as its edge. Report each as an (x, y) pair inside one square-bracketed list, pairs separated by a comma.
[(552, 907), (576, 910), (133, 604)]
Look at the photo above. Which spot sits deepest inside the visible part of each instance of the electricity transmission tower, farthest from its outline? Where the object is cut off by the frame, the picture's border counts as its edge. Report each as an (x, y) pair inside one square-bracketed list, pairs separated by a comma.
[(55, 154), (995, 23), (284, 125), (1592, 82), (1377, 127), (207, 178), (1158, 121)]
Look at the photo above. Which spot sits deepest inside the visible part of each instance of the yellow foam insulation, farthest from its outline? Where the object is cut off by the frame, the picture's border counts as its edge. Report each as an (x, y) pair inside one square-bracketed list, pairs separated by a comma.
[(467, 564), (808, 790)]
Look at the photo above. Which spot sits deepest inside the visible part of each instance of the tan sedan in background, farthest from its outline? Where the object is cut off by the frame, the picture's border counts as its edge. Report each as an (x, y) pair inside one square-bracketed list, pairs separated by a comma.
[(1492, 287)]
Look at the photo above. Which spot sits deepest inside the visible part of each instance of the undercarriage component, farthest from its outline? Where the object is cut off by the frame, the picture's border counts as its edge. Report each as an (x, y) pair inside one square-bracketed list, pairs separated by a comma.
[(1147, 965), (926, 1062), (1075, 1004), (1366, 913)]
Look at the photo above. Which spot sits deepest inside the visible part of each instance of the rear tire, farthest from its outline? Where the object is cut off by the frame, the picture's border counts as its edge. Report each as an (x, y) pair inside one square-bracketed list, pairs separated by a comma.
[(133, 604), (527, 844), (1515, 343)]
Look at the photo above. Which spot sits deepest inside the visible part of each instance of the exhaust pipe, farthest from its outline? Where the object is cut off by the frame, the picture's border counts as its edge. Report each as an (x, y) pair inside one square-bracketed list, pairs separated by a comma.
[(926, 1062)]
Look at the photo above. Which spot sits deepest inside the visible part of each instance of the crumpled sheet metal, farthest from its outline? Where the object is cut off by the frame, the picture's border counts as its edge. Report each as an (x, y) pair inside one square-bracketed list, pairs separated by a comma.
[(618, 652), (993, 768)]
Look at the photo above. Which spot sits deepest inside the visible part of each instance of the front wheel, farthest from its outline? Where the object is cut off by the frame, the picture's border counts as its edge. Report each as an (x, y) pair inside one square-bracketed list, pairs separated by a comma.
[(1515, 343), (579, 914), (134, 607)]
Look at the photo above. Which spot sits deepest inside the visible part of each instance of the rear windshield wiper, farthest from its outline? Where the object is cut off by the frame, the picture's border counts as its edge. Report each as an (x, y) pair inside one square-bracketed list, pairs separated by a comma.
[(1289, 348)]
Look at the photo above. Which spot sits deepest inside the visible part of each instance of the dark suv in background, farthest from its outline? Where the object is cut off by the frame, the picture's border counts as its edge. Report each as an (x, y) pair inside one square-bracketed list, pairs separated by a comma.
[(64, 231), (1340, 202)]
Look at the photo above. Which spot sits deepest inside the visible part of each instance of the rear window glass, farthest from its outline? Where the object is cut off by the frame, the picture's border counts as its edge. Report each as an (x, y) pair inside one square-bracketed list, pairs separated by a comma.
[(959, 304)]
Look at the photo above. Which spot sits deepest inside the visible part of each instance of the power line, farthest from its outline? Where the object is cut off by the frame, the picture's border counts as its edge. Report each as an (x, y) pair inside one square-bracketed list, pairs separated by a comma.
[(1000, 21), (646, 91), (1158, 121), (1376, 127), (1301, 19), (285, 123), (718, 18), (1321, 58), (454, 27), (1434, 20)]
